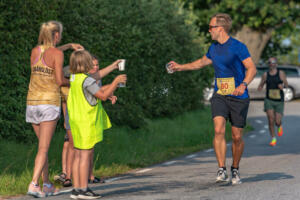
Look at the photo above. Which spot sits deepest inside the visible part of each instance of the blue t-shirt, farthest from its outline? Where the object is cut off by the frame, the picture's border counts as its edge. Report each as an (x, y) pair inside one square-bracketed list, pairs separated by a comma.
[(227, 61)]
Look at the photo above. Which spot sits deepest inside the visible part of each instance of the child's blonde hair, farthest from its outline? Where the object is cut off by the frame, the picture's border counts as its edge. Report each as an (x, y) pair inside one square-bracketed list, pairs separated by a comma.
[(47, 32), (81, 62)]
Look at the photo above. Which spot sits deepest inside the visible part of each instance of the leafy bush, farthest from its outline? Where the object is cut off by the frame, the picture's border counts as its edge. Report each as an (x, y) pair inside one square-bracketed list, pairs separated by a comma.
[(147, 33)]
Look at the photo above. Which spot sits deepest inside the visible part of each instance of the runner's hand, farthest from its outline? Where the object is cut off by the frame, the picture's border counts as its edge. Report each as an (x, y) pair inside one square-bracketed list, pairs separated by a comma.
[(239, 91), (281, 86), (259, 88), (174, 66)]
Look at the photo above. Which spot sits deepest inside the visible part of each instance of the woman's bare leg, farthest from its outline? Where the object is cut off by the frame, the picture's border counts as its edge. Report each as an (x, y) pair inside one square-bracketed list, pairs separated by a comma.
[(44, 133)]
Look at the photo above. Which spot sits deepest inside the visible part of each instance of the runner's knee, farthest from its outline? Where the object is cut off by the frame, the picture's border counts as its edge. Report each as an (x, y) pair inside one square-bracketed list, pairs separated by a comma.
[(236, 138), (219, 131)]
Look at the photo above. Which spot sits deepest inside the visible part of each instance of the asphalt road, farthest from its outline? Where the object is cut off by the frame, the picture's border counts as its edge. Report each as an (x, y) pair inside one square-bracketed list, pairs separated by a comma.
[(268, 173)]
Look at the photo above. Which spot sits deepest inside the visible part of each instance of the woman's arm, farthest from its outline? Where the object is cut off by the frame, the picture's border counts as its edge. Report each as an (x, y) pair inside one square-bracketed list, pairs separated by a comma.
[(58, 57), (73, 46)]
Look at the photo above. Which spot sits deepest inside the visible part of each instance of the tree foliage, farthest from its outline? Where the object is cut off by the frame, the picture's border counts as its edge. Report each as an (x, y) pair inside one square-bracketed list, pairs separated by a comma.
[(146, 33), (278, 16)]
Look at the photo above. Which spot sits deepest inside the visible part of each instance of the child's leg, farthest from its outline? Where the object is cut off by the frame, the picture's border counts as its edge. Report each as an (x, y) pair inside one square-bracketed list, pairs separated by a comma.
[(91, 174), (75, 168), (64, 157), (70, 156), (66, 143), (85, 156)]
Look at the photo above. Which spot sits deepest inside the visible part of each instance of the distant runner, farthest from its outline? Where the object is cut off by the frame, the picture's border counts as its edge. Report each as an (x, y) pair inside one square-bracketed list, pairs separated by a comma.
[(274, 102)]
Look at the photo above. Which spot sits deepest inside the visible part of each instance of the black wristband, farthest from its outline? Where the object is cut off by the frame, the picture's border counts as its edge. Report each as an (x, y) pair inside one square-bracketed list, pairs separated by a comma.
[(245, 84)]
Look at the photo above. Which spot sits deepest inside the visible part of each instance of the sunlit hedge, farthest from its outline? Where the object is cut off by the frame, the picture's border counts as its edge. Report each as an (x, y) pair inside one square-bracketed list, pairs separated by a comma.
[(147, 33)]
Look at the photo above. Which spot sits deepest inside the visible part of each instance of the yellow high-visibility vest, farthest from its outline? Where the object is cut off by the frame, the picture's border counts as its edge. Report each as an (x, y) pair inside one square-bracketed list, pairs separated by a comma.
[(87, 121)]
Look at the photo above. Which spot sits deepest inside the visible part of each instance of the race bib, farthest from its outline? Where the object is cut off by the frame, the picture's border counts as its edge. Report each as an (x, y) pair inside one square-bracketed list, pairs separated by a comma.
[(225, 86), (274, 94)]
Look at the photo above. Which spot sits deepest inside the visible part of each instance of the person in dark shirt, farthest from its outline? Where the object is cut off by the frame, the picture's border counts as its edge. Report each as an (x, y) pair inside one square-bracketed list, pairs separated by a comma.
[(274, 102)]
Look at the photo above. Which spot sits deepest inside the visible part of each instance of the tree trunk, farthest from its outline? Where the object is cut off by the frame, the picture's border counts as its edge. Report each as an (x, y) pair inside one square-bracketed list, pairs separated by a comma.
[(254, 40)]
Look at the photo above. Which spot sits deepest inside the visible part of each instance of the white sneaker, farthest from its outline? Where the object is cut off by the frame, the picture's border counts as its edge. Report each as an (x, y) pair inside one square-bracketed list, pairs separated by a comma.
[(222, 176), (235, 177)]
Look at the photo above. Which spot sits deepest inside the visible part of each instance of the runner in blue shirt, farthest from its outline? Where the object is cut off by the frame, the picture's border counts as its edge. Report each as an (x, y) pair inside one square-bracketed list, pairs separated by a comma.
[(234, 70)]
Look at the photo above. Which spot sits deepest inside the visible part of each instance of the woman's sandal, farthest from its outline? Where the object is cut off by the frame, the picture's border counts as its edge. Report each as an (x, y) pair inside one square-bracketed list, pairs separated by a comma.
[(67, 183), (61, 178), (35, 190)]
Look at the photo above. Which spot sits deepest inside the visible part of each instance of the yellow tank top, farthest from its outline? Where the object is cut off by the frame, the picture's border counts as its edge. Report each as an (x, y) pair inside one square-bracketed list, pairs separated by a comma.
[(43, 88)]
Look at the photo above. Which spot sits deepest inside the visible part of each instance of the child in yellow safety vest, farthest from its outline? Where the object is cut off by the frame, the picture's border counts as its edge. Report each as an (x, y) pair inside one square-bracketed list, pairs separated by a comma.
[(87, 118)]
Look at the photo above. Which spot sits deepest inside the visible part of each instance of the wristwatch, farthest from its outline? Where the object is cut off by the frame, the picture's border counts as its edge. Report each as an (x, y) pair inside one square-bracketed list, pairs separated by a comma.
[(245, 84)]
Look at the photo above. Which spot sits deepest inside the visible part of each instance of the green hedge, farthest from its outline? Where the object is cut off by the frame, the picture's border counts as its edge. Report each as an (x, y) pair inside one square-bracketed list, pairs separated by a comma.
[(147, 33)]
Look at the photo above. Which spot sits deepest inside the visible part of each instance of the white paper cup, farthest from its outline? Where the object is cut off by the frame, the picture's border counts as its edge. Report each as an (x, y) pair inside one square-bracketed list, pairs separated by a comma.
[(169, 70), (122, 85), (121, 65)]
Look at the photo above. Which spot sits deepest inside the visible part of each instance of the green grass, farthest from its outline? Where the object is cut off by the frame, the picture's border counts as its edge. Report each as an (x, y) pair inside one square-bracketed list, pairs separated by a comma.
[(121, 150)]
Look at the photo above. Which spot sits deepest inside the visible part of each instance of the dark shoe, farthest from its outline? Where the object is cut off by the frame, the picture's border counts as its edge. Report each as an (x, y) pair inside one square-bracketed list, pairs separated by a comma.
[(67, 183), (96, 180), (88, 194), (74, 194)]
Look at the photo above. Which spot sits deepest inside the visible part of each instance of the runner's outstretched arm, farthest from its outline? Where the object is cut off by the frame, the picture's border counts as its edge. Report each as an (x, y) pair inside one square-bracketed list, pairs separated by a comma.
[(198, 64)]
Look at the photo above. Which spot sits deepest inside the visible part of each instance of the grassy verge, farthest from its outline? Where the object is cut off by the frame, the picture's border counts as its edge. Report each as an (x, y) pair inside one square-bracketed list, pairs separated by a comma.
[(123, 149)]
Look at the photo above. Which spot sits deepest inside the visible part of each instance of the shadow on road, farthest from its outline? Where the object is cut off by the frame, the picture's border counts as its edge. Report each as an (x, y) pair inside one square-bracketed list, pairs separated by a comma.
[(268, 176)]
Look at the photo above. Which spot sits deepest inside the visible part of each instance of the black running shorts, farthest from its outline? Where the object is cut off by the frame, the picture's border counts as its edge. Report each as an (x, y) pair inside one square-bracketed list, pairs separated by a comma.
[(231, 108)]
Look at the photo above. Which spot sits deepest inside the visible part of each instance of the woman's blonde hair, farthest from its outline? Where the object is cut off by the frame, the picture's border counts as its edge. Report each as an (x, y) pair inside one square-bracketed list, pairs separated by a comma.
[(47, 32), (81, 62), (223, 20)]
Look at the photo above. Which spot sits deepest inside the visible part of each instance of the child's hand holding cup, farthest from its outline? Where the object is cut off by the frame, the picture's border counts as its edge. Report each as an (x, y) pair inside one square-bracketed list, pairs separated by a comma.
[(121, 80), (121, 66)]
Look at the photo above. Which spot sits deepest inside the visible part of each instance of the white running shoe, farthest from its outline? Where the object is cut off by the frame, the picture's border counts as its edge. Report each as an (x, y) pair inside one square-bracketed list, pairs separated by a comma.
[(222, 176), (235, 177)]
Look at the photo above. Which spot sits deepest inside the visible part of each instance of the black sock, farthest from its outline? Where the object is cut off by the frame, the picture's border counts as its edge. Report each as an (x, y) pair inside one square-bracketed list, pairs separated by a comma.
[(232, 168), (224, 168)]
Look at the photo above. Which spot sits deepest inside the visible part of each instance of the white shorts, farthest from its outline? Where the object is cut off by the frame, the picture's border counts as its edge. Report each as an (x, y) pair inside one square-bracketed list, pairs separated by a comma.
[(42, 113)]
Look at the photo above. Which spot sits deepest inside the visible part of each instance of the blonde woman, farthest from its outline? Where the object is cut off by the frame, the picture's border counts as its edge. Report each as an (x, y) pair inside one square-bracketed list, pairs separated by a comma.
[(87, 118), (43, 99)]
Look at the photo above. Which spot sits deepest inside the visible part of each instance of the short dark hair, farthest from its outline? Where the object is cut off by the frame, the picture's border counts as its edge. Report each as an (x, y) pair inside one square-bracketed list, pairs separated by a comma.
[(223, 20)]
